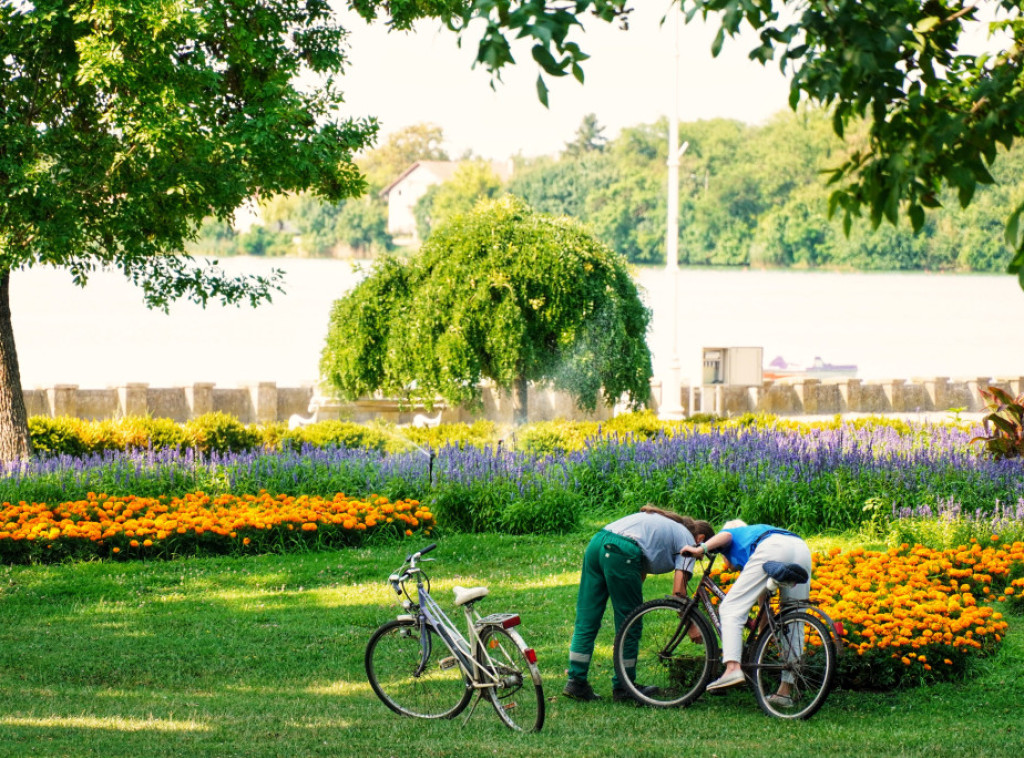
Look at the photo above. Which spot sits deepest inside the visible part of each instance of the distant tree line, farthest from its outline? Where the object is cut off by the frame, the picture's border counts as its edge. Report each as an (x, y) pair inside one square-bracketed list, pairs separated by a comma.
[(749, 196)]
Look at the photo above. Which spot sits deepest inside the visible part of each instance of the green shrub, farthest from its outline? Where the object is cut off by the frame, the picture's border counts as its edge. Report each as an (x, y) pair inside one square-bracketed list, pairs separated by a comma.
[(143, 432), (272, 435), (221, 433), (58, 436), (478, 434), (554, 437), (335, 434), (548, 511)]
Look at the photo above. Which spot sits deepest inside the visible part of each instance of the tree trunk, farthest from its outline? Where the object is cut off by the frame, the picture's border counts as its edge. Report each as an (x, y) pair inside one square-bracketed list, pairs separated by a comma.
[(14, 441), (522, 389)]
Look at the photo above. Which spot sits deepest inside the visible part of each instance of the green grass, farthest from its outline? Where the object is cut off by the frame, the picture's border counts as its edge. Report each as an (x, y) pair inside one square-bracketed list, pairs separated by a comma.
[(263, 656)]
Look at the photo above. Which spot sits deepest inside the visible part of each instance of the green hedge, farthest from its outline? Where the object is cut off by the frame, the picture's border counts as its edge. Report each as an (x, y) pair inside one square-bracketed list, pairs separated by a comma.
[(220, 432)]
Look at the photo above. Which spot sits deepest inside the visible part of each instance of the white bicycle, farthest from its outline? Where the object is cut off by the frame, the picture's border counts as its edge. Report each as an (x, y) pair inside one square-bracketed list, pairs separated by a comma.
[(420, 665)]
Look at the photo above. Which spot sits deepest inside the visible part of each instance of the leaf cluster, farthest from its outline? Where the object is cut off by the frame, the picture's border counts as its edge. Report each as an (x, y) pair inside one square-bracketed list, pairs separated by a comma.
[(937, 114), (1004, 424), (125, 123)]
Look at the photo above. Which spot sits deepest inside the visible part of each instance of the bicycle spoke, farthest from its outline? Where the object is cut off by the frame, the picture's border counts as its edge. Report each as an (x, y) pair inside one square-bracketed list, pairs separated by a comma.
[(656, 658), (518, 697), (410, 680), (793, 667)]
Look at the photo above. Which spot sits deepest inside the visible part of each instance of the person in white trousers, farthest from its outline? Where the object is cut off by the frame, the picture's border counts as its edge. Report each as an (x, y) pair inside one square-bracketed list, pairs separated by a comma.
[(748, 548)]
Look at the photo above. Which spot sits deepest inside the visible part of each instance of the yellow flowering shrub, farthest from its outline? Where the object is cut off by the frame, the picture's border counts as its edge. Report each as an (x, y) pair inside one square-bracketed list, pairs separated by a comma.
[(910, 615), (129, 527)]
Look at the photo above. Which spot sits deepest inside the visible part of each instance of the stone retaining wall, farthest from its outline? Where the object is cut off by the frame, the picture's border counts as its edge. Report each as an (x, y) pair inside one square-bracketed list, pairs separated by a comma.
[(811, 397), (266, 402)]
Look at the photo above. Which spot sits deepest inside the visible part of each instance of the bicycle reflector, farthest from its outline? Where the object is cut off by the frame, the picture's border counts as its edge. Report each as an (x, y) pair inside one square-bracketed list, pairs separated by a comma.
[(531, 654), (504, 620)]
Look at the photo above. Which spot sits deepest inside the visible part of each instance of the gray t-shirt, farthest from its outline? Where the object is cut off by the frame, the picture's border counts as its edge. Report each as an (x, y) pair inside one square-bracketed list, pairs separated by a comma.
[(659, 538)]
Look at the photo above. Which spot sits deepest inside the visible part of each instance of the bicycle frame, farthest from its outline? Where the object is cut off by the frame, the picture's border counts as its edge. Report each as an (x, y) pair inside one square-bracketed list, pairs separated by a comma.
[(431, 616), (766, 616)]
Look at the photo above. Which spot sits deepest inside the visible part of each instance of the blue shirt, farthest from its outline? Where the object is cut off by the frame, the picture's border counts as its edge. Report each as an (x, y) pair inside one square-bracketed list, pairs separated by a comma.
[(659, 538), (744, 542)]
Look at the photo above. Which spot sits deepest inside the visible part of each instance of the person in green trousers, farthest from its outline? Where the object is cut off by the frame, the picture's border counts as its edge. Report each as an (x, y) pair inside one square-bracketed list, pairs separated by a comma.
[(615, 564)]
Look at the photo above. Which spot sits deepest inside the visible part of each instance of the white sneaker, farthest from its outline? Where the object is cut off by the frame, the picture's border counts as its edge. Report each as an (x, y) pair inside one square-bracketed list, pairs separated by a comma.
[(727, 680)]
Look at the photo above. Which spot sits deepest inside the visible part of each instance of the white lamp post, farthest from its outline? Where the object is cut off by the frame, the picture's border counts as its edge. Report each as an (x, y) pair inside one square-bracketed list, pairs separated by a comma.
[(671, 386)]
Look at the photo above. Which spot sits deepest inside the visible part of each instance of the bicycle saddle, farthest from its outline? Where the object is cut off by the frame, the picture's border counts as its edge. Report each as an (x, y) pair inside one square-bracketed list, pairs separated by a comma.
[(786, 573), (465, 595)]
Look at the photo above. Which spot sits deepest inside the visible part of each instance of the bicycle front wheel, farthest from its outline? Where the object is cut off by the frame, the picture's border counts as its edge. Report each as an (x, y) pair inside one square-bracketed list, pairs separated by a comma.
[(794, 664), (518, 697), (415, 675), (675, 653)]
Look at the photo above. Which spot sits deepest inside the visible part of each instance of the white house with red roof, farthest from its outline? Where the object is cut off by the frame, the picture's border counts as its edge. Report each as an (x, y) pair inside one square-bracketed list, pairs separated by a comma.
[(412, 184)]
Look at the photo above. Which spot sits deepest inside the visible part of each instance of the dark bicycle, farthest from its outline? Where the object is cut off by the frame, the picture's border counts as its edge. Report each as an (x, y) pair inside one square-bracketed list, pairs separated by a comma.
[(667, 650)]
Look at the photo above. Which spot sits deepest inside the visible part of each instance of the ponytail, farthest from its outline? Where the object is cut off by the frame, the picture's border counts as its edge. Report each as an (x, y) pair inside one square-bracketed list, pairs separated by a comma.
[(694, 526)]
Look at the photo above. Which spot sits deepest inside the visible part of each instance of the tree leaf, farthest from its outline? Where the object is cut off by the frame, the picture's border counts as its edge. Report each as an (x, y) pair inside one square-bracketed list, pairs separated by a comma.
[(716, 45), (542, 91), (916, 213)]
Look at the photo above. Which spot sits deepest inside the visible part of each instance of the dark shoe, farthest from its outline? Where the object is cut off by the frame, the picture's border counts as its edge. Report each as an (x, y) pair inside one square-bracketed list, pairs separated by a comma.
[(579, 690), (622, 695)]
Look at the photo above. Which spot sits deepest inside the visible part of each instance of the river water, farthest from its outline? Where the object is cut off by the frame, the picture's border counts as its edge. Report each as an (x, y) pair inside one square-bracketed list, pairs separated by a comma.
[(889, 325)]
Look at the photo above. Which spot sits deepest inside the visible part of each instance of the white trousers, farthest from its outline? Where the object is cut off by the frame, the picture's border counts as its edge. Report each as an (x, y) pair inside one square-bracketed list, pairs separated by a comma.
[(735, 609)]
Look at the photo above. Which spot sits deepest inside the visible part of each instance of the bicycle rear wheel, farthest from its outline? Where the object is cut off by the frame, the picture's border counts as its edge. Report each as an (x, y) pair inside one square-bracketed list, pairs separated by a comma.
[(430, 688), (519, 696), (793, 666), (671, 668)]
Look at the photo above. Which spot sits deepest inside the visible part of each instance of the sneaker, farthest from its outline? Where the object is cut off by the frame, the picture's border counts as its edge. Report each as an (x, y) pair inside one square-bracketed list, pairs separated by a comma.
[(622, 695), (576, 689)]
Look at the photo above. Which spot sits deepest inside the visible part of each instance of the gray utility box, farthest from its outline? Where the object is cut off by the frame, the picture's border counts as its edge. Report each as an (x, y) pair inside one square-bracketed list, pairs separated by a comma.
[(727, 367)]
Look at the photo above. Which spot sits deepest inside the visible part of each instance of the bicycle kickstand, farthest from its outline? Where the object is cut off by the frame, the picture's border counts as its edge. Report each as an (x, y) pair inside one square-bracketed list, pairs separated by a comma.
[(472, 708)]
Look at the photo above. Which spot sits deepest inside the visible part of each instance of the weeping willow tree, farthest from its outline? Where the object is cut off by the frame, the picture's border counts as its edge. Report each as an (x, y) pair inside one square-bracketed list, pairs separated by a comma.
[(502, 294)]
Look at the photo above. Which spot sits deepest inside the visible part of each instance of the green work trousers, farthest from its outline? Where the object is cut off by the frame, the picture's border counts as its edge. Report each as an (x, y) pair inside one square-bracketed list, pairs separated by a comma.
[(612, 569)]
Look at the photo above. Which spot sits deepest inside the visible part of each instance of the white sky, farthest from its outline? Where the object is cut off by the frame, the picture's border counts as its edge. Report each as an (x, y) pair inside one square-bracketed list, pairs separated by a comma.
[(406, 79)]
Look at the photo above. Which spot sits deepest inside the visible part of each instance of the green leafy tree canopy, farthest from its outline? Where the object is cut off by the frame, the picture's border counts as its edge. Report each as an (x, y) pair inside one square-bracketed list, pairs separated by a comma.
[(500, 293), (123, 123)]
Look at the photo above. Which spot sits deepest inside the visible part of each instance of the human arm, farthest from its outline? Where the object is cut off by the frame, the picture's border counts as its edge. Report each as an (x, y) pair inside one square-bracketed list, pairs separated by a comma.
[(681, 583), (720, 541), (680, 588)]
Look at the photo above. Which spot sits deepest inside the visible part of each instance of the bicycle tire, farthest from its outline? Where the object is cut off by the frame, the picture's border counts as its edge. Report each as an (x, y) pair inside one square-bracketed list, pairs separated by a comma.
[(811, 669), (671, 669), (519, 697), (830, 624), (393, 657)]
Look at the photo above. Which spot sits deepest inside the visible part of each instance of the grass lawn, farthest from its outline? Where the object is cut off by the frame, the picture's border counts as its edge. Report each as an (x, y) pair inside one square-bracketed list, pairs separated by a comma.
[(264, 657)]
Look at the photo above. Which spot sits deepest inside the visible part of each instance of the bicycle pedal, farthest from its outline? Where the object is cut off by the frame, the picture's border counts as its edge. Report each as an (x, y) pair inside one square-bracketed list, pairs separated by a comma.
[(447, 663)]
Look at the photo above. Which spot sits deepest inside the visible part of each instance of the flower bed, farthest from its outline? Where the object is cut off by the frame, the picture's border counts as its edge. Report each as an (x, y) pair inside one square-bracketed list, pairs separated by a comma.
[(102, 526), (897, 485), (912, 614)]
